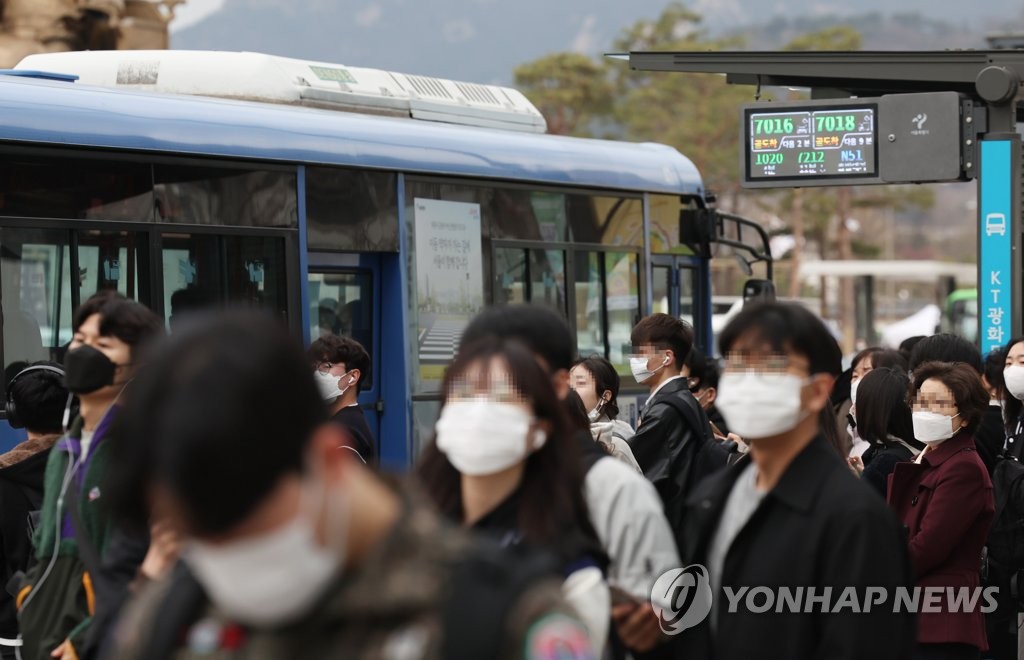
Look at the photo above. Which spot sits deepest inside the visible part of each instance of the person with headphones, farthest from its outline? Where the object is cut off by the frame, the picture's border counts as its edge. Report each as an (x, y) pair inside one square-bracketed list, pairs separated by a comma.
[(65, 592), (36, 400)]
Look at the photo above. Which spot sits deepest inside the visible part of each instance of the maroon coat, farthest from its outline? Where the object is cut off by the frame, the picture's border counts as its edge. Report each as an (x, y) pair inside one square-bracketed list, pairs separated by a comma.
[(946, 503)]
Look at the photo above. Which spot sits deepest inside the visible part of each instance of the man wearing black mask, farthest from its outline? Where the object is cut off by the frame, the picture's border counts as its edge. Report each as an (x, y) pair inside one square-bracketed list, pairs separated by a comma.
[(57, 599)]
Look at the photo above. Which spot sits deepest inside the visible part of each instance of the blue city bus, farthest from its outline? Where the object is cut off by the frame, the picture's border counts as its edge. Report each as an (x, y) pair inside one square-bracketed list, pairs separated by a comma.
[(394, 231)]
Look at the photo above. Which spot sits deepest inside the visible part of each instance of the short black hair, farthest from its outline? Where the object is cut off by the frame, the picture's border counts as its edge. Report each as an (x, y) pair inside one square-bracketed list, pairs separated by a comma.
[(880, 357), (993, 366), (341, 350), (128, 320), (883, 408), (786, 328), (219, 417), (540, 329), (664, 332), (946, 347), (605, 378), (907, 346), (702, 369), (39, 397)]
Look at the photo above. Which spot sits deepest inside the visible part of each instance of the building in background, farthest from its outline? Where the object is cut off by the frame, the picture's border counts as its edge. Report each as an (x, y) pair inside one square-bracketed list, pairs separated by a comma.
[(47, 26)]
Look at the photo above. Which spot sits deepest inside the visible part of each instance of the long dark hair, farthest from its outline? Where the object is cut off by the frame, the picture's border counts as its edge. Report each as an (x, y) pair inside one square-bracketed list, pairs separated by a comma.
[(1012, 407), (883, 409), (552, 512)]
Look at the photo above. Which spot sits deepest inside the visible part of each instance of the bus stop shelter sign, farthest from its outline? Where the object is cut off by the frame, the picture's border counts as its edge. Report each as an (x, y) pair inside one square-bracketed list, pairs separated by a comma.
[(996, 276), (897, 138)]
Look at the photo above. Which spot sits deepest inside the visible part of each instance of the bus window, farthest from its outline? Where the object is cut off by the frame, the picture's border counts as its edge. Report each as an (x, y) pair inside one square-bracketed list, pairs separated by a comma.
[(510, 276), (112, 260), (203, 270), (75, 188), (661, 288), (226, 196), (342, 304), (590, 295), (351, 210), (622, 284), (547, 278), (35, 270), (256, 277)]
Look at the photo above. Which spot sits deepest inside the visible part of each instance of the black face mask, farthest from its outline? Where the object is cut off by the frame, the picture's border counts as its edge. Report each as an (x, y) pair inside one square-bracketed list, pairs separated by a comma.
[(87, 370)]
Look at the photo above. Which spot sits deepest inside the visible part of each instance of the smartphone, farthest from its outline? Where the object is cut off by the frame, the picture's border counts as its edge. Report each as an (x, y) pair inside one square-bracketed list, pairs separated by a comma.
[(622, 597)]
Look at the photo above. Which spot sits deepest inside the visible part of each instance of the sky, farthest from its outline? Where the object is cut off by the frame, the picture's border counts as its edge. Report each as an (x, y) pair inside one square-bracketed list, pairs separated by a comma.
[(194, 11)]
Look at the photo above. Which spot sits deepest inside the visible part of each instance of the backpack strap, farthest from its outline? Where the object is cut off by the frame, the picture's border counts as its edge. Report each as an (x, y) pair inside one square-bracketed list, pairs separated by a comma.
[(688, 414), (483, 589)]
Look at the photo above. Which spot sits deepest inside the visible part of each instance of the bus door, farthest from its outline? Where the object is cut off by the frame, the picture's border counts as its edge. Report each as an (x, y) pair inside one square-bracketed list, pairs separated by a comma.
[(679, 287), (343, 291)]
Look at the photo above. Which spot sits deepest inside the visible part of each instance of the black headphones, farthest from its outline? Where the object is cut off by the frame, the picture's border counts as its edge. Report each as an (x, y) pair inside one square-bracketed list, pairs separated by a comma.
[(10, 408)]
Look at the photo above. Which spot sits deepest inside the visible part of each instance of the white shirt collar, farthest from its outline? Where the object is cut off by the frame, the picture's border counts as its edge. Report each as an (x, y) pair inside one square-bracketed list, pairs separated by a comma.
[(666, 382)]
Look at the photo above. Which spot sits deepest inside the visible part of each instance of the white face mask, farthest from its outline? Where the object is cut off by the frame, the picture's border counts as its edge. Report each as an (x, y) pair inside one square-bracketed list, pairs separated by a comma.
[(595, 414), (853, 395), (1013, 376), (328, 384), (759, 405), (932, 427), (270, 580), (638, 365), (482, 437)]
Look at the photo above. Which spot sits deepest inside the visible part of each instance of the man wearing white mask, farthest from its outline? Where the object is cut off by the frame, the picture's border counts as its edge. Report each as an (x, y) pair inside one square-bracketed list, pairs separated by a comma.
[(341, 366), (790, 514), (674, 444), (293, 548)]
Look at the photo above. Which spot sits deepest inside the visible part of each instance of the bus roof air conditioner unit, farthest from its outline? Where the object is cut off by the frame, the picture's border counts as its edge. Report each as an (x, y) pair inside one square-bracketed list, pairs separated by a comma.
[(272, 79)]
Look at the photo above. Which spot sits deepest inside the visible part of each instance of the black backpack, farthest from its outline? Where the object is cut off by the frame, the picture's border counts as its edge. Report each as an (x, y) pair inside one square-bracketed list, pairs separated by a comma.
[(1005, 548)]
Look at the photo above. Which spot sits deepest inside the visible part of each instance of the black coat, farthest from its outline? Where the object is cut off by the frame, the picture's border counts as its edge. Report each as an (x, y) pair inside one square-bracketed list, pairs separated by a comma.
[(21, 492), (879, 462), (665, 447), (819, 527)]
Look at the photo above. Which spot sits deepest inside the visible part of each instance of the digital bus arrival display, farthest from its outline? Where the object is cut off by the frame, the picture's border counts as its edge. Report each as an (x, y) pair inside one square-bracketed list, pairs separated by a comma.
[(809, 143)]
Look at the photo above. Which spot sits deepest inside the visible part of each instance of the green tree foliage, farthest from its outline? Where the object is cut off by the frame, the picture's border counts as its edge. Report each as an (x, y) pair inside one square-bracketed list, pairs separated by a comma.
[(839, 37), (572, 91), (695, 113)]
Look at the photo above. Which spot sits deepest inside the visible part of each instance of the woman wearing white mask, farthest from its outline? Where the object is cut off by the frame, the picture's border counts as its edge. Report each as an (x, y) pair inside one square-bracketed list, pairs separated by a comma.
[(944, 499), (492, 468), (864, 363), (1013, 408), (886, 422), (595, 381)]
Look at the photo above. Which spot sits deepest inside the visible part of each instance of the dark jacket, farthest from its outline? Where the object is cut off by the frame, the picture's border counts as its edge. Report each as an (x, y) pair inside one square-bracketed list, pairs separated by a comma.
[(403, 601), (879, 462), (665, 447), (990, 436), (947, 506), (21, 493), (819, 527), (64, 603), (353, 420)]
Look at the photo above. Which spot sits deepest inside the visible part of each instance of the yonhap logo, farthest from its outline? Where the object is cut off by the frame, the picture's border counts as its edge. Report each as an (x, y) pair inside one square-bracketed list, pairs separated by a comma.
[(682, 598)]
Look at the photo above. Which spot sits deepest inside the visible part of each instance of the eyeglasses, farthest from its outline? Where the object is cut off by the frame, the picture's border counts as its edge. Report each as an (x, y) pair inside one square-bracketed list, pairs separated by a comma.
[(771, 363), (324, 368)]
